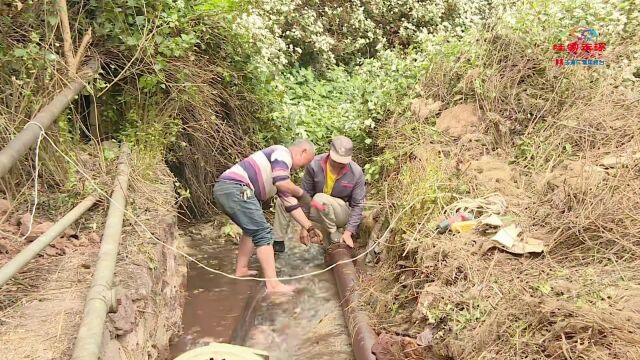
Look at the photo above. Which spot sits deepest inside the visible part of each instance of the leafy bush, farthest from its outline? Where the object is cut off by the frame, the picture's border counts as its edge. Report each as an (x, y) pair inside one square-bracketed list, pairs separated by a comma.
[(350, 102)]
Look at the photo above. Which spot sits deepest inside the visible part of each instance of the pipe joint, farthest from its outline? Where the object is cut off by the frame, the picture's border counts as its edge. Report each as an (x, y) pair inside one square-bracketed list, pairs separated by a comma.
[(106, 294)]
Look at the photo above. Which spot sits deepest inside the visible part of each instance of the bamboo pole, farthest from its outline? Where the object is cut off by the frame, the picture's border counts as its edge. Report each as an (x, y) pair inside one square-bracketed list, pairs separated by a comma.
[(27, 254), (99, 297), (63, 13), (86, 39), (30, 133)]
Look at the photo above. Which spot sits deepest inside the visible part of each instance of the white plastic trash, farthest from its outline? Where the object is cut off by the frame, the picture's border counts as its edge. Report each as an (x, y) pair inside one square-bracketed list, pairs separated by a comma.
[(218, 351)]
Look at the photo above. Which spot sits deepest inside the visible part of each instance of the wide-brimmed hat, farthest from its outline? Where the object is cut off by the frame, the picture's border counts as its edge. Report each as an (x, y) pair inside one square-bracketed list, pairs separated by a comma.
[(341, 149)]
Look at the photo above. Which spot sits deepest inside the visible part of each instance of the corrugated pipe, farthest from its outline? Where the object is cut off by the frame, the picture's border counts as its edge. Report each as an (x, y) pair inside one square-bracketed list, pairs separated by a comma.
[(362, 335), (27, 254), (101, 297), (29, 134)]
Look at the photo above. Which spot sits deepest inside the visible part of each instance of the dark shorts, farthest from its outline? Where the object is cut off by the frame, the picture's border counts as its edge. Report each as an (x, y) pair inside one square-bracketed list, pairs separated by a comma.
[(239, 203)]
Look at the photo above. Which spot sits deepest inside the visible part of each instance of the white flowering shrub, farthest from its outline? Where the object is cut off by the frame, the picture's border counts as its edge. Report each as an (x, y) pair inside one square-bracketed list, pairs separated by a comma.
[(323, 33)]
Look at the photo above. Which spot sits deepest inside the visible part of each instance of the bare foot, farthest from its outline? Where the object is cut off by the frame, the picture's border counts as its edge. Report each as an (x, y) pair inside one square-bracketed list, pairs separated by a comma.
[(279, 287), (246, 273)]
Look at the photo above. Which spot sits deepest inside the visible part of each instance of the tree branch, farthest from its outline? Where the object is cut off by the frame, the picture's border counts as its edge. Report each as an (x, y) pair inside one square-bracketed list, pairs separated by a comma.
[(86, 39), (66, 33)]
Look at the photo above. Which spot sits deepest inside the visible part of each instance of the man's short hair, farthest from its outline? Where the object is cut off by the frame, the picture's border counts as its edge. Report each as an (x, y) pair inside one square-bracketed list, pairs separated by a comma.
[(305, 144)]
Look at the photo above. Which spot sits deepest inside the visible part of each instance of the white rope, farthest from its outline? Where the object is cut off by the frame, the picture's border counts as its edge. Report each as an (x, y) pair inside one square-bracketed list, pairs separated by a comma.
[(35, 186), (313, 273), (489, 204)]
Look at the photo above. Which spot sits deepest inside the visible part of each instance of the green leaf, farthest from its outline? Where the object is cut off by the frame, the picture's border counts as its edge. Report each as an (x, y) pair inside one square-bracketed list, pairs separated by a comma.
[(19, 52), (51, 56), (52, 19)]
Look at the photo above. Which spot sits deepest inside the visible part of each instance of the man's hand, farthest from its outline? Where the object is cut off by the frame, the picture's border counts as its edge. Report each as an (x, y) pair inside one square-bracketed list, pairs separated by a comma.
[(310, 235), (316, 237), (346, 238), (304, 237)]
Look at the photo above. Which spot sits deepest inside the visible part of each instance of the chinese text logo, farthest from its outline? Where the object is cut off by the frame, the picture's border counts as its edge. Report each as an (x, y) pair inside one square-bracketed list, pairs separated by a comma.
[(586, 49)]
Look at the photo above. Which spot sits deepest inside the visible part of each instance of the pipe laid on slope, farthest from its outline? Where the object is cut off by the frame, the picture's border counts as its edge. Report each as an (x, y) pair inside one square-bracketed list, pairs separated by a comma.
[(99, 297), (28, 253), (362, 335), (29, 134)]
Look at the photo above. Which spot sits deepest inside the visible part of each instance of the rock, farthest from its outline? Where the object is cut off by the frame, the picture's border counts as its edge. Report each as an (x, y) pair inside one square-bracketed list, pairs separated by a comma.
[(5, 207), (393, 347), (112, 350), (38, 230), (93, 238), (615, 161), (425, 338), (51, 251), (387, 347), (62, 244), (577, 175), (25, 221), (125, 317), (141, 284), (427, 298), (458, 121), (491, 170), (423, 108), (80, 242), (5, 246), (15, 220), (138, 337)]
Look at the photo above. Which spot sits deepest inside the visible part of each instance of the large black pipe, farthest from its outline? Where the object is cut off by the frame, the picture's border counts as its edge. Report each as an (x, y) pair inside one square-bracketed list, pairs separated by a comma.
[(362, 335)]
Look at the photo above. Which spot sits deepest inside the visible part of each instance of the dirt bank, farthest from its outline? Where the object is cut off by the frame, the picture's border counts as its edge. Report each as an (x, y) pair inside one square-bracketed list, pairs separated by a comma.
[(566, 285), (41, 308)]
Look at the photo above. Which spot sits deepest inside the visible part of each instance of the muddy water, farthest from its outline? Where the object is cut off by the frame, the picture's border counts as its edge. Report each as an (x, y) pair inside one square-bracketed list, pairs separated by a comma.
[(306, 325), (214, 303)]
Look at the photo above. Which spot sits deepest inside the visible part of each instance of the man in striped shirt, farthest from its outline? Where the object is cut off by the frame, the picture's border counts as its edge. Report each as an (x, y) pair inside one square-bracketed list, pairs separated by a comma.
[(240, 190)]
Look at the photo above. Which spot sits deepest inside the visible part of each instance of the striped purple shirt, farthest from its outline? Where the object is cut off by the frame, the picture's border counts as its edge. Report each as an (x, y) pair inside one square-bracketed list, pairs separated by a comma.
[(262, 170)]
